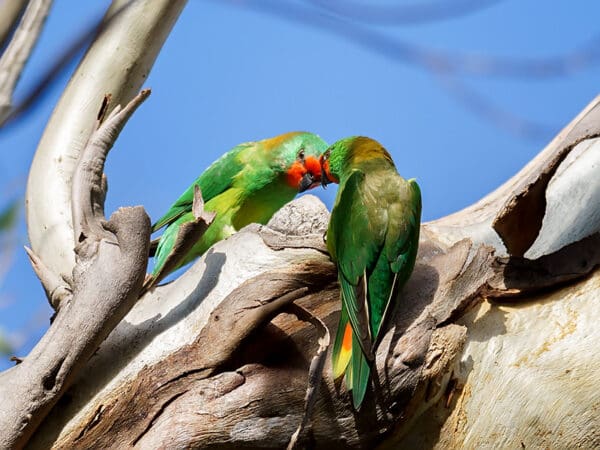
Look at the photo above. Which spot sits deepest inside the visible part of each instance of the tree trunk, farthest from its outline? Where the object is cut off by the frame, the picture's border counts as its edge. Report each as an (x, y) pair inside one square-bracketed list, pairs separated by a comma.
[(493, 343), (487, 349)]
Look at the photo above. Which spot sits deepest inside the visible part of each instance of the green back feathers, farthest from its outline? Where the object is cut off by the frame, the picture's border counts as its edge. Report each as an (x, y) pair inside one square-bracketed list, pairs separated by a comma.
[(214, 180), (247, 184), (249, 166), (373, 238)]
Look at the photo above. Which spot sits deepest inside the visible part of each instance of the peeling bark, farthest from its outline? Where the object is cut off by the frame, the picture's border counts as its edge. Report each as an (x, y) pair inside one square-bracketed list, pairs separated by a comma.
[(479, 221), (492, 343), (214, 360), (249, 390)]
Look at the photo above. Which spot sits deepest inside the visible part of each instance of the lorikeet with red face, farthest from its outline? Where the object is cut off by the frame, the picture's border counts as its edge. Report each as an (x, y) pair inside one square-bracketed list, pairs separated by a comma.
[(248, 184)]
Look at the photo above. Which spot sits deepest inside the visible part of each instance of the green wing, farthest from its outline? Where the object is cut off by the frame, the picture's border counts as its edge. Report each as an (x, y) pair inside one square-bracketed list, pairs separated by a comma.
[(355, 239), (360, 370), (373, 236), (216, 179), (399, 252)]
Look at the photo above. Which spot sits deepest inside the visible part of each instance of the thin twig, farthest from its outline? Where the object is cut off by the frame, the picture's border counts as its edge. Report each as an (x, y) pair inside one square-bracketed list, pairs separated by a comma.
[(57, 290), (315, 372), (482, 106), (59, 65), (10, 12), (440, 63), (188, 234), (397, 14), (451, 63), (17, 53)]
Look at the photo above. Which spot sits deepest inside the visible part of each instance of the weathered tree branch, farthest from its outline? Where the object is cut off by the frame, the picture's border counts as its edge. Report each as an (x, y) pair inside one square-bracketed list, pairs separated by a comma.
[(89, 184), (18, 50), (213, 360), (493, 340), (315, 371), (500, 211), (106, 282)]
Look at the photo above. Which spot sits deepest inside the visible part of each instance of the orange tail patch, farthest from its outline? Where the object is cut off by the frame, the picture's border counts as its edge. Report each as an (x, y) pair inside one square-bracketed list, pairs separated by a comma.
[(342, 359)]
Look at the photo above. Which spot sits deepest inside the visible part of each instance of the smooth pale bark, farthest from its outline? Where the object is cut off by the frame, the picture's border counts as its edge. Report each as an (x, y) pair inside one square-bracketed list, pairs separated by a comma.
[(118, 62), (527, 378)]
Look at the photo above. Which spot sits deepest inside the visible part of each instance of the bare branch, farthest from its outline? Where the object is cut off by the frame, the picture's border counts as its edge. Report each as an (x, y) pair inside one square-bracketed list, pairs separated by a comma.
[(88, 187), (17, 53), (138, 32), (59, 64), (447, 66), (106, 284), (315, 372), (477, 64), (235, 379), (481, 106), (9, 14), (416, 13)]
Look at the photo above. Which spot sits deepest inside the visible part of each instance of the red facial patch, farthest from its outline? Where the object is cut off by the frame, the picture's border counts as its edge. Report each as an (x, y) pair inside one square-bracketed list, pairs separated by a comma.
[(295, 174), (314, 167), (328, 174)]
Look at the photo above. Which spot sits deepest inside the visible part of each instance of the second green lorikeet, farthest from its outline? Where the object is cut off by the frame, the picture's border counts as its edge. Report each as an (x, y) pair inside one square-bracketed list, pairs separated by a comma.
[(373, 238), (248, 184)]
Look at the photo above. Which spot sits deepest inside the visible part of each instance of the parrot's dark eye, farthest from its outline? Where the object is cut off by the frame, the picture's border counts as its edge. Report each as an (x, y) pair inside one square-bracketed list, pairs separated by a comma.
[(301, 154)]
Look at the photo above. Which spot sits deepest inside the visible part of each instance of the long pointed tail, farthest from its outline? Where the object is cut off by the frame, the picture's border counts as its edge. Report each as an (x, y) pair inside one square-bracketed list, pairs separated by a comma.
[(361, 371), (348, 358)]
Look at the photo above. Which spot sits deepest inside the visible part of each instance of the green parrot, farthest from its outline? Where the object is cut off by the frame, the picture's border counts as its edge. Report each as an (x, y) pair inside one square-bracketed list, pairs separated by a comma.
[(373, 237), (248, 184)]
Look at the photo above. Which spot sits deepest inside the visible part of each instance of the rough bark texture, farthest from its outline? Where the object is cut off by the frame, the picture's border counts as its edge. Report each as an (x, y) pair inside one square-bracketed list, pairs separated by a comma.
[(105, 283), (492, 345), (478, 353)]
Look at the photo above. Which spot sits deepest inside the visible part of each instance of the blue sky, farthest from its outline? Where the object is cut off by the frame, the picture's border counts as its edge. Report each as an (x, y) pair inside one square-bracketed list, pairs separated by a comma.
[(231, 72)]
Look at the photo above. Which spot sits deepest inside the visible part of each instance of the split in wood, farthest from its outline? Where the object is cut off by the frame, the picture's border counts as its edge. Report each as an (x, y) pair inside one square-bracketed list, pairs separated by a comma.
[(58, 291), (89, 183), (519, 220), (315, 371)]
